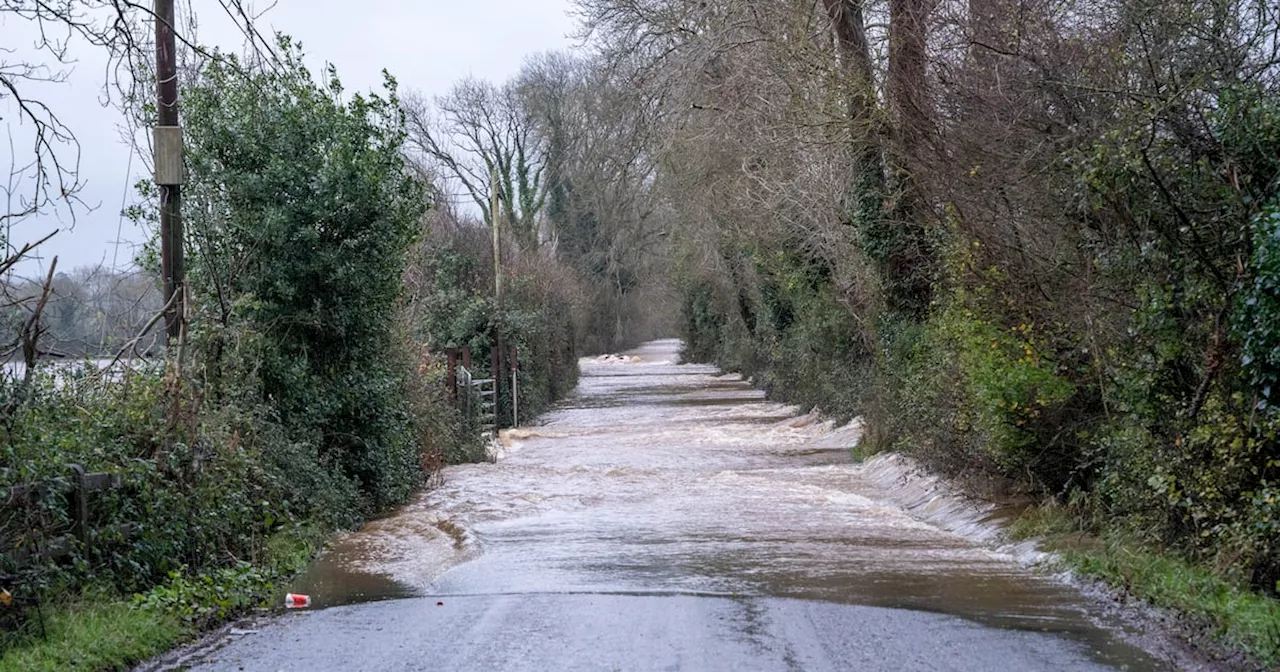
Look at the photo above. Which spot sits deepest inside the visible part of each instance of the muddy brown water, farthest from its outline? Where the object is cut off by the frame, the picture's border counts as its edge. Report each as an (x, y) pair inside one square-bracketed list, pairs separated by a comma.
[(660, 478)]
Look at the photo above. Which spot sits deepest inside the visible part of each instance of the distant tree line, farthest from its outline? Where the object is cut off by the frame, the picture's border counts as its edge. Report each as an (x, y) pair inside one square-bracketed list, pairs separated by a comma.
[(564, 147), (90, 312)]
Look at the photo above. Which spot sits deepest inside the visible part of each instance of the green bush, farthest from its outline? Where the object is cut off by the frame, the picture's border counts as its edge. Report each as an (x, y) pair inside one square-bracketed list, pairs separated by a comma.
[(1010, 385), (201, 506), (784, 325), (1257, 322), (303, 211), (702, 323)]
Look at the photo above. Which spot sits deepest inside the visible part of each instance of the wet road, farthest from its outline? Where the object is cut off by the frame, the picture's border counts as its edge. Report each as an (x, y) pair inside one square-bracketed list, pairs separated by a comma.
[(669, 518)]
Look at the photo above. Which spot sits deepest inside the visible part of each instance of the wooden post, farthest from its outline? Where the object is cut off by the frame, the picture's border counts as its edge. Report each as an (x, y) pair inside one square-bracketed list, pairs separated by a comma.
[(466, 394), (451, 381), (514, 364), (79, 505), (495, 216), (495, 352), (168, 168), (495, 372)]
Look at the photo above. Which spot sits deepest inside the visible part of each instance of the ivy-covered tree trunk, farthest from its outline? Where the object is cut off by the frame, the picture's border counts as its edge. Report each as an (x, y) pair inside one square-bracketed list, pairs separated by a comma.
[(910, 268), (868, 187)]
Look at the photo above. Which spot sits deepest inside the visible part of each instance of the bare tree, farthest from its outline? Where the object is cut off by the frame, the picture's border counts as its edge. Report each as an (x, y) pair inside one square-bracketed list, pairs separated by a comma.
[(602, 208), (480, 135)]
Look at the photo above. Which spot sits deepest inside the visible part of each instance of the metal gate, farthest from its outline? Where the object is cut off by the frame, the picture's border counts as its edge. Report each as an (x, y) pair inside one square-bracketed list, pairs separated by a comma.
[(480, 402)]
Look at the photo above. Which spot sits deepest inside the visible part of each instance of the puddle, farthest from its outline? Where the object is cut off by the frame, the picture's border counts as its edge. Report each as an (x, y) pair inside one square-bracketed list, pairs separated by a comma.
[(389, 558), (332, 582), (664, 477)]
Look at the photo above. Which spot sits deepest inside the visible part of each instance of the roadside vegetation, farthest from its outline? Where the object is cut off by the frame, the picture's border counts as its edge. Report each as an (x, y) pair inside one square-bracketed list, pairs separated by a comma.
[(287, 409), (1215, 608)]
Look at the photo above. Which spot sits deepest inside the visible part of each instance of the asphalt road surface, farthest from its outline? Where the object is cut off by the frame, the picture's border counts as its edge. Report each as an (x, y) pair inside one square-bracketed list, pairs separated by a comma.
[(669, 518), (640, 632)]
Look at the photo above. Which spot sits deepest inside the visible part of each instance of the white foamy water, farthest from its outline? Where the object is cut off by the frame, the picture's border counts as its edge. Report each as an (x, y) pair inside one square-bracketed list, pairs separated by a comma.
[(66, 370), (658, 477)]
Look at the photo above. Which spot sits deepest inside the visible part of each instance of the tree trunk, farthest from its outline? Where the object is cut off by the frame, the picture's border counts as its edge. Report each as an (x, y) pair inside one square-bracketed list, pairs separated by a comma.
[(909, 266), (855, 60)]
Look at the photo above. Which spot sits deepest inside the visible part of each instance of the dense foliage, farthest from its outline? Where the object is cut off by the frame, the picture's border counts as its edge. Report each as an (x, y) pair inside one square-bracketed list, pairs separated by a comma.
[(302, 211), (449, 291)]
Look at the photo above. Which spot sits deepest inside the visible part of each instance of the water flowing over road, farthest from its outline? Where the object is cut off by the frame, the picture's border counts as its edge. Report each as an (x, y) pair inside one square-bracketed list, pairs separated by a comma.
[(669, 517)]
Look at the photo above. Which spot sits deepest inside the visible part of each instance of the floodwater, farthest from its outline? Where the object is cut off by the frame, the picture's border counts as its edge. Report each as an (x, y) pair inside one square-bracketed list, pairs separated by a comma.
[(64, 370), (665, 479)]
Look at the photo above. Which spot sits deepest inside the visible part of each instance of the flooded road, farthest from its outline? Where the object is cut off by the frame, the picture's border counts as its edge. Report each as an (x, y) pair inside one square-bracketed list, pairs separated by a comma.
[(669, 517)]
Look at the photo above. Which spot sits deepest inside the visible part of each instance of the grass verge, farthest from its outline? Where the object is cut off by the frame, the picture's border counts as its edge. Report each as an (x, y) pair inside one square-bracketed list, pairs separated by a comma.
[(98, 631), (1230, 613), (93, 633)]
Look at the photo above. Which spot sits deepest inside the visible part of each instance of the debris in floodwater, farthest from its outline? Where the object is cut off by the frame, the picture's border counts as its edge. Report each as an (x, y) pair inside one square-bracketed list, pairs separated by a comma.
[(617, 359), (296, 601)]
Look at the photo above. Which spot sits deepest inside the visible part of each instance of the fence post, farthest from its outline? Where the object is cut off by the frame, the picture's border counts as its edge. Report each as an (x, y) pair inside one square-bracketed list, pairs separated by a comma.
[(79, 505), (495, 372), (514, 363), (451, 378)]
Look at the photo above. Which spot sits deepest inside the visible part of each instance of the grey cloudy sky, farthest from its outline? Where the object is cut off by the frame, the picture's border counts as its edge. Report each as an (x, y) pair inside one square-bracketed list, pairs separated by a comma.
[(426, 44)]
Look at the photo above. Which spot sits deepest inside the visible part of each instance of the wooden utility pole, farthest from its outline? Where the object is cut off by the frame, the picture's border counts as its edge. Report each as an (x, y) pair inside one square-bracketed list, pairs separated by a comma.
[(494, 217), (168, 168), (495, 354)]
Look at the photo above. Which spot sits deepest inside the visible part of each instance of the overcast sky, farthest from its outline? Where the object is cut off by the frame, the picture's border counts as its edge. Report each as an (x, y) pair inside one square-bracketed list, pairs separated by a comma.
[(425, 44)]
